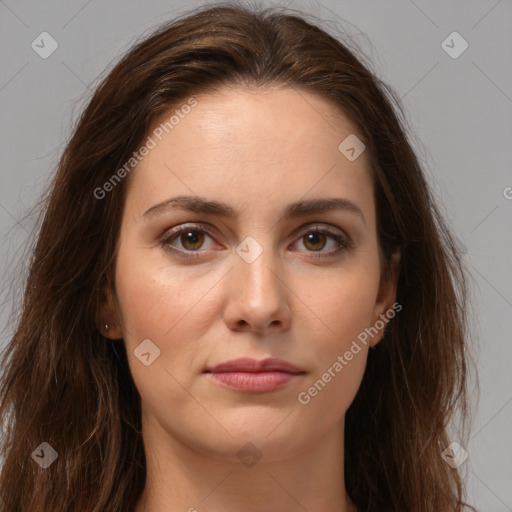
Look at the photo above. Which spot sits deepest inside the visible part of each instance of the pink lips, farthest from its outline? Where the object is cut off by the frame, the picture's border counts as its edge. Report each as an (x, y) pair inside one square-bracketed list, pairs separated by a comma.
[(253, 376)]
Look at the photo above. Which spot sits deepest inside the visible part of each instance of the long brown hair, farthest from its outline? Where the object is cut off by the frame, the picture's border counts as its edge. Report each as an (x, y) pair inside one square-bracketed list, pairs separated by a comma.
[(68, 386)]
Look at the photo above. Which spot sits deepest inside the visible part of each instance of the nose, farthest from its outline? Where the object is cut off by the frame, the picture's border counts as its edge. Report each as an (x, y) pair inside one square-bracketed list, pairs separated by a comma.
[(258, 297)]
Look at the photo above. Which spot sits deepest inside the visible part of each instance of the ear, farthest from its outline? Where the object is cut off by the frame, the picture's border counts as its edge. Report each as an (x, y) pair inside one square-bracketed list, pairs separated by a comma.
[(107, 318), (386, 297)]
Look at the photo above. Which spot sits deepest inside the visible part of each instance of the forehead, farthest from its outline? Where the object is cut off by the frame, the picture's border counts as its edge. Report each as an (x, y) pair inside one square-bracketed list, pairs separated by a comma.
[(251, 146), (241, 117)]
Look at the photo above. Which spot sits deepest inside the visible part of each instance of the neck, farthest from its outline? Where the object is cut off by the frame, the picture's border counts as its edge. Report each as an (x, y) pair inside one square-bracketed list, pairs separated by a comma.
[(185, 478)]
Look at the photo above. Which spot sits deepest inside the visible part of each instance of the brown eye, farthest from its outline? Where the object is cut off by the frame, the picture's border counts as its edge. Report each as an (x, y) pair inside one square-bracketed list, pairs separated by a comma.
[(191, 239), (315, 241), (188, 241)]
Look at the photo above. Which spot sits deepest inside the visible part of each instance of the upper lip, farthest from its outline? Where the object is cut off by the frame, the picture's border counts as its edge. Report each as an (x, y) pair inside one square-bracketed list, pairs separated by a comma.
[(246, 364)]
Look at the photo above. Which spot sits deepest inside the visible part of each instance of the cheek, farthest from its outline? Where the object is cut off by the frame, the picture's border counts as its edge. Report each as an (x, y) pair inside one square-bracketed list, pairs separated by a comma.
[(171, 306), (344, 312), (159, 304), (341, 305)]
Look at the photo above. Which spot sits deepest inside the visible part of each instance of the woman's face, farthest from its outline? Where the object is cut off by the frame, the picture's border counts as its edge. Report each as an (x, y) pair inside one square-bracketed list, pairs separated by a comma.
[(248, 277)]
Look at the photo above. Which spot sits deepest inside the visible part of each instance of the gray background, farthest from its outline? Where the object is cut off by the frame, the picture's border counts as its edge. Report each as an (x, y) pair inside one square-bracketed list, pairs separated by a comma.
[(459, 110)]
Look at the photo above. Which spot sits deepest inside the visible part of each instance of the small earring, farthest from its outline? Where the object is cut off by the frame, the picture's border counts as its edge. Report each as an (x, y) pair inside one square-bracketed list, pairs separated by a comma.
[(106, 327)]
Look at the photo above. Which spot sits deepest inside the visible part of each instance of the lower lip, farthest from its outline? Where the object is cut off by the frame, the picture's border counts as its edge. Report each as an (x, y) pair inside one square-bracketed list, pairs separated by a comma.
[(254, 382)]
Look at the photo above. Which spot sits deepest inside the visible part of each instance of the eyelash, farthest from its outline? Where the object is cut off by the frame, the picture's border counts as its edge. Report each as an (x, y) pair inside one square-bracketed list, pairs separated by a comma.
[(343, 241)]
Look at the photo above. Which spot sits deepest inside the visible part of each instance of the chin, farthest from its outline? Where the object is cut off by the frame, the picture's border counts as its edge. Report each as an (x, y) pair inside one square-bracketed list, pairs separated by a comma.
[(272, 439)]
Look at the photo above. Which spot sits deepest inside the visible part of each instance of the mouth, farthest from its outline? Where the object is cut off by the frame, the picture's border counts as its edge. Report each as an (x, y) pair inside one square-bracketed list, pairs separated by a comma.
[(253, 376)]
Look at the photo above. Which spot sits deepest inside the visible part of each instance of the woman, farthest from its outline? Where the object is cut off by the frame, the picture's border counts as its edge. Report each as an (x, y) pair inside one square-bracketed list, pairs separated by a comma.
[(242, 296)]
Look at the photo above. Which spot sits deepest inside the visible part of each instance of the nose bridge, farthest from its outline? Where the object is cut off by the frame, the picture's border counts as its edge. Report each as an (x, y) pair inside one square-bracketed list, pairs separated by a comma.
[(257, 295), (255, 268)]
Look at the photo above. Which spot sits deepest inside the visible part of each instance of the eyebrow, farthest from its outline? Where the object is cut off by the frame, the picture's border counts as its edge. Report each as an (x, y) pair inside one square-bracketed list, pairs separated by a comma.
[(297, 209)]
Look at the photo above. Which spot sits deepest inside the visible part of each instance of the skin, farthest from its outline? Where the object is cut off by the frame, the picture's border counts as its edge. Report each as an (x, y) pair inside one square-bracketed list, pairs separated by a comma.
[(258, 151)]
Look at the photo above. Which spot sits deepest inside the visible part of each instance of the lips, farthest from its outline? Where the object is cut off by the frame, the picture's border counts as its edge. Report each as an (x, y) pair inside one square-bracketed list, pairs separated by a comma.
[(253, 376), (248, 365)]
